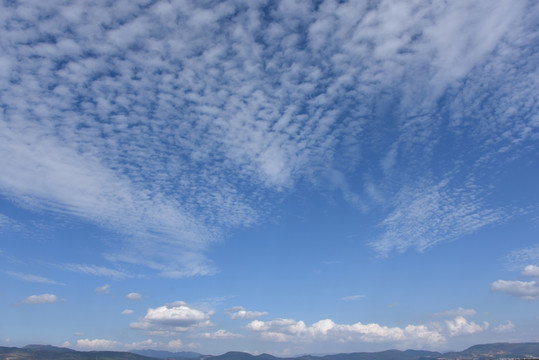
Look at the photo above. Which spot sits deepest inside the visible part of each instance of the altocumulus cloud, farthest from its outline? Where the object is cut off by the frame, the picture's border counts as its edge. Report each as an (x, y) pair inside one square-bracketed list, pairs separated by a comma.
[(172, 122)]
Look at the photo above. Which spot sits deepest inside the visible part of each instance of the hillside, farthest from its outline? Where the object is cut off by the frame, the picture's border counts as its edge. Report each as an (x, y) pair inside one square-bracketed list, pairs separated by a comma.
[(476, 352)]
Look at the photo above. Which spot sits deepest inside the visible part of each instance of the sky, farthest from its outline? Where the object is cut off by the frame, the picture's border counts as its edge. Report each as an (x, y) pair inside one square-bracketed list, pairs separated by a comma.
[(285, 177)]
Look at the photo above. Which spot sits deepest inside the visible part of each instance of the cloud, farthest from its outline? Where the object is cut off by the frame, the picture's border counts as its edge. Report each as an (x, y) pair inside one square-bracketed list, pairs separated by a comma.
[(461, 326), (175, 344), (289, 330), (102, 289), (134, 296), (519, 258), (531, 270), (104, 344), (172, 318), (456, 312), (219, 334), (32, 278), (525, 290), (353, 297), (241, 313), (98, 344), (174, 123), (427, 215), (127, 312), (509, 326), (40, 299), (95, 270)]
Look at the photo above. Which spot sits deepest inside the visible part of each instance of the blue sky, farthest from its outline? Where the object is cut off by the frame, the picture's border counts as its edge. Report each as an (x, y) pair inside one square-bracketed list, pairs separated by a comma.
[(269, 176)]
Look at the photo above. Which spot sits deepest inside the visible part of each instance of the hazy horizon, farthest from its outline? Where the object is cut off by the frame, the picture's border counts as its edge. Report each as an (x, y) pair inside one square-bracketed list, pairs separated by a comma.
[(269, 176)]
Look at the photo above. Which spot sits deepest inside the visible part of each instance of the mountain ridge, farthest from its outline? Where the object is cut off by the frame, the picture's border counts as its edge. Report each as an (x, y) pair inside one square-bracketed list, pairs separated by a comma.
[(492, 351)]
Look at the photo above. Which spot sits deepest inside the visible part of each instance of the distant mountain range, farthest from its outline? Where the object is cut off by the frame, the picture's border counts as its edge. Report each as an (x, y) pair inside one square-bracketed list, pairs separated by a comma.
[(476, 352)]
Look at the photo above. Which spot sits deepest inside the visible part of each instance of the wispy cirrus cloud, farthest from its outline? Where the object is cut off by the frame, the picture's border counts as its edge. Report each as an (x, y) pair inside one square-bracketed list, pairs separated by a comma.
[(95, 270), (32, 278)]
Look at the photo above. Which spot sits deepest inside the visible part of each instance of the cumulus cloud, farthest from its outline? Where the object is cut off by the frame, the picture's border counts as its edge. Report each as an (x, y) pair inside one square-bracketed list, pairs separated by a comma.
[(285, 330), (508, 326), (241, 313), (531, 270), (176, 317), (461, 326), (98, 344), (127, 312), (104, 344), (102, 289), (41, 299), (175, 344), (525, 290), (134, 296)]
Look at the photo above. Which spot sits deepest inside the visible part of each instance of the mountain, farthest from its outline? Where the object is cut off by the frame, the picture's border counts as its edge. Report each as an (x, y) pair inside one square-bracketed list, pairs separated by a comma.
[(476, 352), (48, 352), (168, 354), (496, 351)]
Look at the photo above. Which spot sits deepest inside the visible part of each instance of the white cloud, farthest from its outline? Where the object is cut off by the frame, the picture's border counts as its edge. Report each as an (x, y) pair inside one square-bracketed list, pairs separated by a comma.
[(241, 313), (172, 318), (288, 330), (531, 270), (41, 299), (127, 312), (175, 344), (104, 344), (456, 312), (461, 326), (98, 344), (102, 289), (153, 127), (519, 258), (95, 270), (508, 326), (426, 215), (525, 290), (353, 297), (219, 334), (134, 296), (32, 278)]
